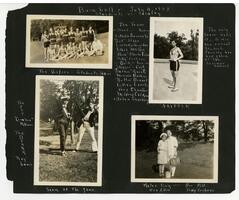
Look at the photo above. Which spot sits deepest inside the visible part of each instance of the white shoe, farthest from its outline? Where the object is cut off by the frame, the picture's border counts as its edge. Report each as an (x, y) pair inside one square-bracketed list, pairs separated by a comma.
[(94, 146), (174, 90)]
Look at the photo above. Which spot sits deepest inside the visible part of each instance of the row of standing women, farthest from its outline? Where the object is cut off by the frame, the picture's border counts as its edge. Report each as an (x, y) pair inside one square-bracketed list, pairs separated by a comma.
[(60, 42)]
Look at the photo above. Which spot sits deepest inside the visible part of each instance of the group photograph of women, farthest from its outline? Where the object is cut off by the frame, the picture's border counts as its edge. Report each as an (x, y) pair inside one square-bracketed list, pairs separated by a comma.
[(67, 41), (174, 148)]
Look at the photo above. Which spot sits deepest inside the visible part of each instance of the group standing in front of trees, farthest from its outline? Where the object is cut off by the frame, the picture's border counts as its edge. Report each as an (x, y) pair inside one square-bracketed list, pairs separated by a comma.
[(63, 43)]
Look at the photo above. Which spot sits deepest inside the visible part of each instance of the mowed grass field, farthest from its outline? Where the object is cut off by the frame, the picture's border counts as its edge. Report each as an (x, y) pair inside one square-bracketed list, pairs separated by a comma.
[(80, 166), (186, 82), (37, 53), (196, 162)]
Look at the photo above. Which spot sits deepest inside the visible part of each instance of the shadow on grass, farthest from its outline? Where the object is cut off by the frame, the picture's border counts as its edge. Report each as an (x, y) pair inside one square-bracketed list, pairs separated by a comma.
[(166, 80), (43, 142), (57, 151), (50, 151)]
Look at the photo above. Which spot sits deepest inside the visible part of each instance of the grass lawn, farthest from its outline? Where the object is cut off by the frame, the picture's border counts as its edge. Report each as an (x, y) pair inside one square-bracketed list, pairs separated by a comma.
[(187, 82), (196, 162), (37, 56), (80, 166)]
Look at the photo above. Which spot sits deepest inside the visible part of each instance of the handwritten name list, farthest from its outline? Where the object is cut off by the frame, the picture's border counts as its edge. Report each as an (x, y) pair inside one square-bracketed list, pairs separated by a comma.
[(131, 62)]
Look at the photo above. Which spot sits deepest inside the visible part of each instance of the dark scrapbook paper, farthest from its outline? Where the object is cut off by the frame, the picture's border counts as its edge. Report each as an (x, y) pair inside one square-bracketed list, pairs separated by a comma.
[(126, 88)]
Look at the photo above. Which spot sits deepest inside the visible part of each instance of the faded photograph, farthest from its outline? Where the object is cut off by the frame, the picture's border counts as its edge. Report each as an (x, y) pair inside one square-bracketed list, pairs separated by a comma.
[(68, 130), (174, 149), (175, 71), (72, 41)]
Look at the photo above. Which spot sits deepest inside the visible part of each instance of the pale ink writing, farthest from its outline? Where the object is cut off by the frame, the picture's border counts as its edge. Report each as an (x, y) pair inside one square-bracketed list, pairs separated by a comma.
[(131, 42), (217, 47)]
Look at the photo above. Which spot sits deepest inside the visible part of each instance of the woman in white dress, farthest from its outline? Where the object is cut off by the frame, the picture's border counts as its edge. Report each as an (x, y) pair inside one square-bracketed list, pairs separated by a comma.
[(162, 153), (172, 144)]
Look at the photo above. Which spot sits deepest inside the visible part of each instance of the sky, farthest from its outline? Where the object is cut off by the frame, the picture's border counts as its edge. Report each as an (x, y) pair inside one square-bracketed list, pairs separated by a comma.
[(181, 26)]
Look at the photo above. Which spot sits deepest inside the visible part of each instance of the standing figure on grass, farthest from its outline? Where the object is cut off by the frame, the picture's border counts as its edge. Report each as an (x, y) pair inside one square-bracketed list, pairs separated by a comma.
[(172, 144), (90, 117), (162, 154), (175, 55), (62, 117)]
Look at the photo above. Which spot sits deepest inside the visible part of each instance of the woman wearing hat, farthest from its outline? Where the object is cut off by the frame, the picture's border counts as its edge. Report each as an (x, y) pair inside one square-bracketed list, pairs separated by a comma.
[(162, 153)]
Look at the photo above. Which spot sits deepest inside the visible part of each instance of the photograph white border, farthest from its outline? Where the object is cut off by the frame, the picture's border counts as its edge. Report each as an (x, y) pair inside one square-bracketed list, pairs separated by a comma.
[(69, 65), (134, 118), (200, 20), (100, 129)]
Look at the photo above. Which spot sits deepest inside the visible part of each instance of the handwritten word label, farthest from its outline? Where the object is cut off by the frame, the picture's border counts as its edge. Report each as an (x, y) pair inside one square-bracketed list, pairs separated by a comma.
[(157, 187), (198, 188), (124, 11)]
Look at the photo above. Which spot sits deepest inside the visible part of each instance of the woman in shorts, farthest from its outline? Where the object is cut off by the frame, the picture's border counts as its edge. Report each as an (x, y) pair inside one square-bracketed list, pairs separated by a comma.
[(61, 53), (58, 37), (46, 43), (91, 35), (77, 37), (97, 47), (71, 35), (84, 38), (65, 36), (52, 36), (175, 55), (79, 52)]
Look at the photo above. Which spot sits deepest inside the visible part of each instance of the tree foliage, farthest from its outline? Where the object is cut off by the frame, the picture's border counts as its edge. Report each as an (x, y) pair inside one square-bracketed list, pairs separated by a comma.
[(162, 45), (40, 25), (78, 91), (148, 132)]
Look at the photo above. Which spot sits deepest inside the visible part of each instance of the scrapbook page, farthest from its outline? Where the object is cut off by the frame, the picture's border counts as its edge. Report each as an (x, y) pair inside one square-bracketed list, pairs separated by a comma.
[(121, 98)]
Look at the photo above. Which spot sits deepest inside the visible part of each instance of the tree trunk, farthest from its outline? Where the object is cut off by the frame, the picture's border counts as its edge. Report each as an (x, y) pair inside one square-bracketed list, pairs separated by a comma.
[(205, 127)]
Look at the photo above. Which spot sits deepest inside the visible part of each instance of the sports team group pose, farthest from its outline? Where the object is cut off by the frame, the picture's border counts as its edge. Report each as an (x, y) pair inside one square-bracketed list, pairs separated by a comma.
[(63, 43)]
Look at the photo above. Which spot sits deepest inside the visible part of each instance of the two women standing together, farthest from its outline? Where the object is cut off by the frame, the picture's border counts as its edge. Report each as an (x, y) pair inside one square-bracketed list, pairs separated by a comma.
[(167, 150)]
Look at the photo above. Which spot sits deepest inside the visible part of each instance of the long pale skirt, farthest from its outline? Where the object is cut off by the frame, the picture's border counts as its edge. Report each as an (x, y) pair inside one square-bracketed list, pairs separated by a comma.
[(162, 157)]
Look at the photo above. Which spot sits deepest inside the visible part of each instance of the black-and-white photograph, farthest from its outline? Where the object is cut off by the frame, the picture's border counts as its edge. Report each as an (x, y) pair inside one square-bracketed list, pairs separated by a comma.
[(180, 149), (72, 41), (175, 69), (68, 130)]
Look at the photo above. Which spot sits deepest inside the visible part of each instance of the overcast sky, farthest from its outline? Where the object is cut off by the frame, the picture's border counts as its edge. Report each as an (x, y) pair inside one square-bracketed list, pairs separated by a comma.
[(163, 27)]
